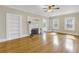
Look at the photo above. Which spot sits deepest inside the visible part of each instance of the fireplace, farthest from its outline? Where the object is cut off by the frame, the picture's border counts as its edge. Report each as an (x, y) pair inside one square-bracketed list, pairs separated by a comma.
[(34, 31)]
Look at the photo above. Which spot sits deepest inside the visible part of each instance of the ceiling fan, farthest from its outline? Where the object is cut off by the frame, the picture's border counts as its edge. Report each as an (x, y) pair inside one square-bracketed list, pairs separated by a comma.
[(50, 8)]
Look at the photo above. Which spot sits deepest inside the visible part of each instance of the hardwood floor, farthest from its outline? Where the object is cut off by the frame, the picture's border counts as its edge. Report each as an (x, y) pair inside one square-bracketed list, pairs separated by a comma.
[(44, 43)]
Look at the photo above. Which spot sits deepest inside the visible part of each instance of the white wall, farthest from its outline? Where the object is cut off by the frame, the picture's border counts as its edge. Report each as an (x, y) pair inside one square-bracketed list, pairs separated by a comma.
[(25, 27)]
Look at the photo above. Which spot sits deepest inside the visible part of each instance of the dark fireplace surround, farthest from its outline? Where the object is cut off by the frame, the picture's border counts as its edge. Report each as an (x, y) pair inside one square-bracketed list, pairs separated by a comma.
[(35, 31)]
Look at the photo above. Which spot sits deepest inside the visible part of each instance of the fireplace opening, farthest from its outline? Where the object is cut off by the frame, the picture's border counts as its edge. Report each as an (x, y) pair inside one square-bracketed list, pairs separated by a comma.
[(34, 31)]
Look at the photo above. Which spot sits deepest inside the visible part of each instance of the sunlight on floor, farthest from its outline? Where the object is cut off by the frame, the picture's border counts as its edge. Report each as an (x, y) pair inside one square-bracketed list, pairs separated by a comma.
[(44, 38), (70, 37), (53, 33), (55, 39), (69, 42)]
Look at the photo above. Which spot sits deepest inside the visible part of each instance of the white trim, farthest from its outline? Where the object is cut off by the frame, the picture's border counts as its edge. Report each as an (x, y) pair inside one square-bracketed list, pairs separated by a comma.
[(24, 35), (65, 32), (20, 25), (6, 25), (5, 39)]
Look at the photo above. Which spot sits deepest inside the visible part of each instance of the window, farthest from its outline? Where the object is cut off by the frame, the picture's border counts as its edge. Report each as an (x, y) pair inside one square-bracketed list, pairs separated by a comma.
[(70, 23), (13, 26), (55, 23)]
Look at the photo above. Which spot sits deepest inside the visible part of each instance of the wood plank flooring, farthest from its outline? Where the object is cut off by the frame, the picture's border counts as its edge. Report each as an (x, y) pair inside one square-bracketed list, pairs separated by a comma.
[(44, 43)]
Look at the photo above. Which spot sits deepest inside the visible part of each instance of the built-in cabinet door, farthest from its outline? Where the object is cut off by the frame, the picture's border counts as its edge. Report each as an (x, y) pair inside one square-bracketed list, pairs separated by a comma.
[(13, 23)]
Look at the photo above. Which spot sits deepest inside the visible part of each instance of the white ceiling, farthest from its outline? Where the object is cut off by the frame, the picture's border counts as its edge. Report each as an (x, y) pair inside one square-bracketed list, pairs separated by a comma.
[(38, 9)]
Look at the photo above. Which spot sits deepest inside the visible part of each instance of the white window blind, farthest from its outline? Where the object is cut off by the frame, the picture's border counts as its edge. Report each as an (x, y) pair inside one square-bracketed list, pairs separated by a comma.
[(13, 26)]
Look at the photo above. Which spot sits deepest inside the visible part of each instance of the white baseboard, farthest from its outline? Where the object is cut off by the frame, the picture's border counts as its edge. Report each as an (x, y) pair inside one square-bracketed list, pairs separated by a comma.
[(5, 39), (77, 34), (24, 36)]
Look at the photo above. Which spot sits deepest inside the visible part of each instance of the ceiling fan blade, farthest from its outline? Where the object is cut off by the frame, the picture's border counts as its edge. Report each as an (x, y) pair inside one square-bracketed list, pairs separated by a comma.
[(50, 8), (46, 11), (44, 8), (53, 5), (56, 8), (45, 5)]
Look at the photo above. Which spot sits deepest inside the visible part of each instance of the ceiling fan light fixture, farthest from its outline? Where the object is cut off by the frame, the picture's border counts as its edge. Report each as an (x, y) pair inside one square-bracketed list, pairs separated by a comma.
[(50, 10)]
